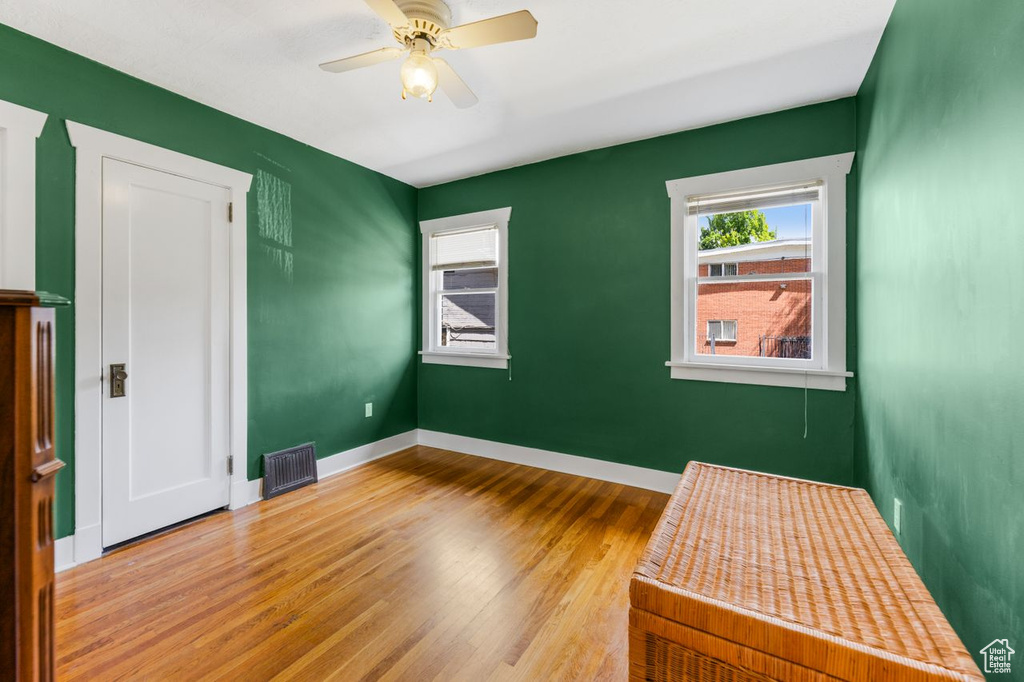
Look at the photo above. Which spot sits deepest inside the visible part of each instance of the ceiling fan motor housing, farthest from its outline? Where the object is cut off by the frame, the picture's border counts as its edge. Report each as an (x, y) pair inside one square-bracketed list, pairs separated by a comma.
[(427, 18), (424, 26)]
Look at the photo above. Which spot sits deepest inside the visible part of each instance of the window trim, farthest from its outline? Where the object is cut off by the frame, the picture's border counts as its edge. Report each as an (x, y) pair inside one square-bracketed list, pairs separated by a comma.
[(432, 354), (827, 371)]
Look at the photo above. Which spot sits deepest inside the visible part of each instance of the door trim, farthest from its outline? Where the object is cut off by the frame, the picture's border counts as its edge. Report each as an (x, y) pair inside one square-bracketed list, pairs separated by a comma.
[(19, 128), (92, 145)]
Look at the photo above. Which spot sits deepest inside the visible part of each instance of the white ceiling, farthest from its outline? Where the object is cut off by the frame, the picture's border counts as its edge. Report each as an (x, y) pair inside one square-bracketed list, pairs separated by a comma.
[(600, 72)]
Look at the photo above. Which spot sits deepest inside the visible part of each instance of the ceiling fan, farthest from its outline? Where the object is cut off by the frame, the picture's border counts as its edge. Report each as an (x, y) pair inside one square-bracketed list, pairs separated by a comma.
[(421, 27)]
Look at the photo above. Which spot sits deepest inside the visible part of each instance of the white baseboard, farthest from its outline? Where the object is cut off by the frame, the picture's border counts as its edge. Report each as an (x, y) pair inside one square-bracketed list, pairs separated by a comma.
[(88, 543), (245, 493), (251, 491), (626, 474), (64, 553), (343, 461)]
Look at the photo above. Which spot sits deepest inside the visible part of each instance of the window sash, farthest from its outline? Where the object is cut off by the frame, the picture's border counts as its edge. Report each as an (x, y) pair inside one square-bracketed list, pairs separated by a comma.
[(474, 252), (816, 276), (439, 295), (695, 340)]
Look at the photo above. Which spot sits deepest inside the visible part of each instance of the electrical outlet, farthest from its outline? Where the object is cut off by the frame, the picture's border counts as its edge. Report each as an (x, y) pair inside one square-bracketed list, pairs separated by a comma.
[(897, 515), (369, 409)]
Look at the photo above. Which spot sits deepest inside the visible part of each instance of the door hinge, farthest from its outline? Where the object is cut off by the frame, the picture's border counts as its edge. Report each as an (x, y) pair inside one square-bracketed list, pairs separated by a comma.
[(231, 465), (231, 211)]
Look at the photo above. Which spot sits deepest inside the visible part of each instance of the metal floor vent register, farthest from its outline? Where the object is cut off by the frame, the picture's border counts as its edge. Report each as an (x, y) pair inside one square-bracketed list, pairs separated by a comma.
[(287, 470)]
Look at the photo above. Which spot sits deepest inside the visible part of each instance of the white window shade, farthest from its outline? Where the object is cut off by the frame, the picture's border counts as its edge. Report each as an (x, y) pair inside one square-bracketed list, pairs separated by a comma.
[(750, 200), (476, 248)]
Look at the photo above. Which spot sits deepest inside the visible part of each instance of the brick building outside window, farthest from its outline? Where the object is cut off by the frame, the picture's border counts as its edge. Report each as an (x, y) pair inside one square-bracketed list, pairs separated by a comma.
[(755, 318)]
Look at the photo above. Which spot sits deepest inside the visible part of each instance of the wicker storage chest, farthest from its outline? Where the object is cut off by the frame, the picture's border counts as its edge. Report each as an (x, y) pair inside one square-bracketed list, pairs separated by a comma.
[(750, 576)]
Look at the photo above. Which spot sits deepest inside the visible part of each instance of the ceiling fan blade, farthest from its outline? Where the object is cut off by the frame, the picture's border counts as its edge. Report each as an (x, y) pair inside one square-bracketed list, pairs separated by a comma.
[(456, 89), (506, 28), (389, 12), (384, 54)]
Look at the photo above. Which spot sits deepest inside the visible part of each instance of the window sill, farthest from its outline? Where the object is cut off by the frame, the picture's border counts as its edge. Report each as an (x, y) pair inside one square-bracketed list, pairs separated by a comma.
[(489, 361), (824, 380)]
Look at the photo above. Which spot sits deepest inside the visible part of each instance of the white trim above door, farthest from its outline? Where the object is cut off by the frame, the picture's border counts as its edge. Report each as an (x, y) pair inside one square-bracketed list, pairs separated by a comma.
[(19, 128), (92, 145)]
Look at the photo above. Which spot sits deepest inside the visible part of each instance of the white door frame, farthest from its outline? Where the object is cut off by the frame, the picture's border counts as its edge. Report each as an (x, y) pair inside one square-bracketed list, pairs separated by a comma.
[(92, 145), (19, 128)]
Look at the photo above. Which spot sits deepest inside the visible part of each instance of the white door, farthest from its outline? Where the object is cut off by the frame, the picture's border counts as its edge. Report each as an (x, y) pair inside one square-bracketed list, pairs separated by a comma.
[(165, 318)]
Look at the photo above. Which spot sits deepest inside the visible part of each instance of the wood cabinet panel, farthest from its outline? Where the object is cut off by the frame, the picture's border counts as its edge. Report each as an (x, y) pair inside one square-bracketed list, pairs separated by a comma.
[(28, 465)]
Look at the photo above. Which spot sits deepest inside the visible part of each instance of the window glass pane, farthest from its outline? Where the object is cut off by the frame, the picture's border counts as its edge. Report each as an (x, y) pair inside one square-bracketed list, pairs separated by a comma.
[(754, 319), (473, 278), (756, 242), (468, 321)]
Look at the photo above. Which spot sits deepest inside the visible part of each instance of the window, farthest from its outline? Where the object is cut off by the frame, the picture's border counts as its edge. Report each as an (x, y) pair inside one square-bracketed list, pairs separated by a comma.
[(758, 275), (721, 330), (465, 293), (466, 269), (722, 269)]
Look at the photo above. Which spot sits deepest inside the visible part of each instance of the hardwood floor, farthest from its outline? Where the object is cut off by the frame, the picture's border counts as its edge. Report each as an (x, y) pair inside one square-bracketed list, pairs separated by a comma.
[(423, 565)]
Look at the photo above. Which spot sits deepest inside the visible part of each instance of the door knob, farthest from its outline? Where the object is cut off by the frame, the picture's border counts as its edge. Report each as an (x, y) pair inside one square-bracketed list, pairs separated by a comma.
[(118, 375)]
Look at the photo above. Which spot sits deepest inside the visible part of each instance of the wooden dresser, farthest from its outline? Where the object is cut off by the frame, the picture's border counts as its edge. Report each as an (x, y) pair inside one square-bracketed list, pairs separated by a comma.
[(752, 577), (27, 467)]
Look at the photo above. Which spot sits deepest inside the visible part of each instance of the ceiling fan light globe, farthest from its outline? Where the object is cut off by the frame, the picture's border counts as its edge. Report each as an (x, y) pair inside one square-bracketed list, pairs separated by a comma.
[(419, 75)]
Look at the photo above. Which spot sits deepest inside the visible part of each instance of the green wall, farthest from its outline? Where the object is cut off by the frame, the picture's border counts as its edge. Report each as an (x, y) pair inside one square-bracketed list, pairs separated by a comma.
[(589, 313), (940, 286), (936, 245), (331, 310)]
